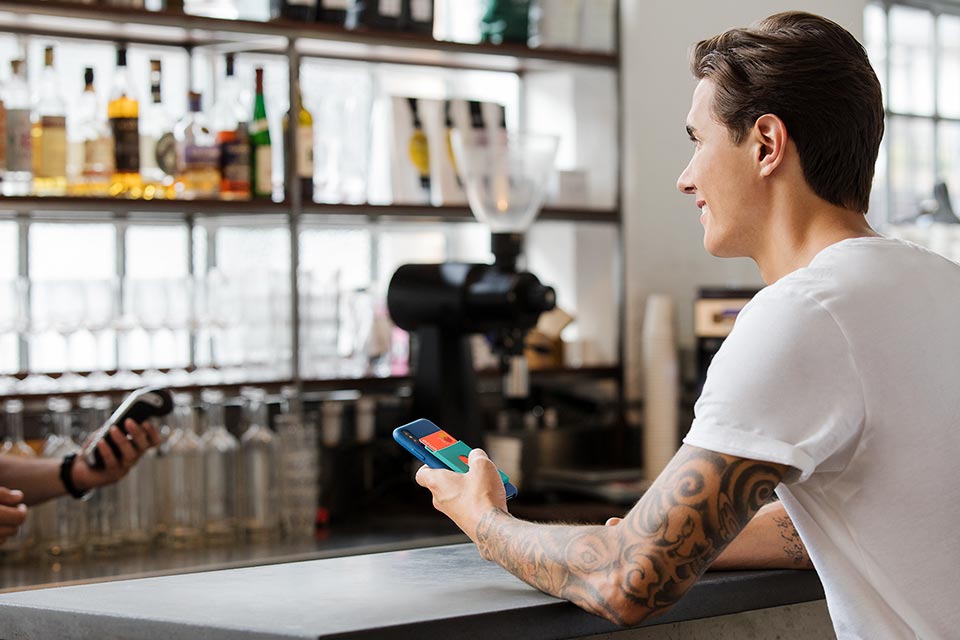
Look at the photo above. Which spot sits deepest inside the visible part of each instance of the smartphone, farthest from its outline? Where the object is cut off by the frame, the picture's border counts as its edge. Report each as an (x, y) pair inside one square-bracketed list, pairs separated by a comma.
[(148, 402), (439, 450)]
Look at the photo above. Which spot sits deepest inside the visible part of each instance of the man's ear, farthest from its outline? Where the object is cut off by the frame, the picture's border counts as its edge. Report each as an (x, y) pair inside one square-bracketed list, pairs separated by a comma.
[(770, 141)]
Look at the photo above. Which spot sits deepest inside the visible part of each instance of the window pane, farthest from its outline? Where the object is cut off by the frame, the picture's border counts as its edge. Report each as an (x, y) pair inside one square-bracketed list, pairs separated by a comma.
[(326, 251), (911, 60), (948, 87), (157, 251), (948, 150), (911, 165), (875, 41), (72, 251), (878, 214)]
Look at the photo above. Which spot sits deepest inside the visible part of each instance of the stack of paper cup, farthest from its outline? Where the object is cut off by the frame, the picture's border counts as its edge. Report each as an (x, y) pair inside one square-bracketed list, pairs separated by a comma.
[(661, 380)]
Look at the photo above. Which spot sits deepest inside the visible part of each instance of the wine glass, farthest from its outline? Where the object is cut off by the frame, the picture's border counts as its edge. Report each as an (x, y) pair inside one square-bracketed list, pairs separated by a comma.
[(12, 319), (101, 316)]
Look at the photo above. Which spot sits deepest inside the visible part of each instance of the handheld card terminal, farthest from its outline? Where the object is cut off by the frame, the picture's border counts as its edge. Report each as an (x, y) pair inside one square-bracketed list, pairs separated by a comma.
[(142, 404)]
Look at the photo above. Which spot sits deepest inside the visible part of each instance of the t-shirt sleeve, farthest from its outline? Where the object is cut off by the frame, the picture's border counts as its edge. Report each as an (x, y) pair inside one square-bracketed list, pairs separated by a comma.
[(783, 387)]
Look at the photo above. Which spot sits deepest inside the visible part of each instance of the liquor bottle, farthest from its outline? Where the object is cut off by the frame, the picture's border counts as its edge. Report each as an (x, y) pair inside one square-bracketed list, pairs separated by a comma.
[(124, 113), (300, 478), (62, 521), (419, 147), (298, 10), (229, 122), (220, 467), (374, 14), (418, 16), (505, 21), (304, 149), (158, 148), (18, 545), (261, 153), (186, 477), (18, 176), (49, 134), (332, 11), (91, 144), (259, 472), (198, 154)]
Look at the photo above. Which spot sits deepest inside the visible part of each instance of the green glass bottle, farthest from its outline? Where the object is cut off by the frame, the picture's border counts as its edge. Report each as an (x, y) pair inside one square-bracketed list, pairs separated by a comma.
[(261, 163)]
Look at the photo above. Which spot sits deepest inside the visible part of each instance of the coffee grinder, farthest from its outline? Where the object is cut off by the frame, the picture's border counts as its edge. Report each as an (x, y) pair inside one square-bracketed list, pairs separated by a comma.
[(442, 305)]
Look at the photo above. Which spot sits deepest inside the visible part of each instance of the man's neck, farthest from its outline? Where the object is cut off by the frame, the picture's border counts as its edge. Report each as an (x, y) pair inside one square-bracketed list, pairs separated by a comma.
[(799, 233)]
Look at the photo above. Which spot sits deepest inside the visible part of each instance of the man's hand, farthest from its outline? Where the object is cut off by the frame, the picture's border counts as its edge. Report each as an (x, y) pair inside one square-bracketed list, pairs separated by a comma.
[(12, 512), (140, 437), (465, 497)]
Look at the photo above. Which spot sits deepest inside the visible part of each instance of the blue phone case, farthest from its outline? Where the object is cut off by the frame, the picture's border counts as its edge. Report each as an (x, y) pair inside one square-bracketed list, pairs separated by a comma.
[(422, 428)]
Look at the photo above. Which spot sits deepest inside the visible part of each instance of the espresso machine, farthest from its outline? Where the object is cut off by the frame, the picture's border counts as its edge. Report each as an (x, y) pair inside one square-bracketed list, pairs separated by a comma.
[(443, 305)]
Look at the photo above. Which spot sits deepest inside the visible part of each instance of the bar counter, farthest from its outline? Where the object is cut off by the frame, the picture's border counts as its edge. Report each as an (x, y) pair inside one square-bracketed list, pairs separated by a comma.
[(443, 591)]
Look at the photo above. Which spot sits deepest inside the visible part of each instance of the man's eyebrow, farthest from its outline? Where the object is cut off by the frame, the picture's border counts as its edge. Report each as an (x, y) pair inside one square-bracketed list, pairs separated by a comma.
[(691, 132)]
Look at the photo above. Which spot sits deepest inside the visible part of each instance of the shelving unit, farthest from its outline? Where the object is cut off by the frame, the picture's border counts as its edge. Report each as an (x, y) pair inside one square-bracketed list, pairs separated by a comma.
[(294, 41)]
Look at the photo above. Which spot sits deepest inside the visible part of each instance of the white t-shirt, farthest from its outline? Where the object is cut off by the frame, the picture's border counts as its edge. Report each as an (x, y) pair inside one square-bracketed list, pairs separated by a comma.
[(849, 370)]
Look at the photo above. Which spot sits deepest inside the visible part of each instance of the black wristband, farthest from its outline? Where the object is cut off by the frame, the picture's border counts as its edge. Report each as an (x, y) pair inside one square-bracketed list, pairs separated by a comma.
[(66, 467)]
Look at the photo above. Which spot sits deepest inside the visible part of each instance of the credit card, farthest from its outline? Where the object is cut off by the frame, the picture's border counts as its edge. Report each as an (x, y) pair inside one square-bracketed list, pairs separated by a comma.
[(437, 440)]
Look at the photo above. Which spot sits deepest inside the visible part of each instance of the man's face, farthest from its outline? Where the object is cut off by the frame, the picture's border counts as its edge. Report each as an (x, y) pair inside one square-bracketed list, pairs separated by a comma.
[(724, 179)]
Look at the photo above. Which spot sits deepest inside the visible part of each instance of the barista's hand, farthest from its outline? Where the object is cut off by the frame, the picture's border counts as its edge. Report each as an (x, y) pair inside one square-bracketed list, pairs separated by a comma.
[(465, 497), (139, 439), (12, 512)]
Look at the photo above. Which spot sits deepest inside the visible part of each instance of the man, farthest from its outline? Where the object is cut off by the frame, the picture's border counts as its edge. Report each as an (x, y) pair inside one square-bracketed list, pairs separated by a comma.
[(836, 387), (29, 481)]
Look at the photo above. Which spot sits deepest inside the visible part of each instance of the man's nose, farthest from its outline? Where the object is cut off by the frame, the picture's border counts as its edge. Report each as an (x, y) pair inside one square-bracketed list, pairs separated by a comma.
[(685, 182)]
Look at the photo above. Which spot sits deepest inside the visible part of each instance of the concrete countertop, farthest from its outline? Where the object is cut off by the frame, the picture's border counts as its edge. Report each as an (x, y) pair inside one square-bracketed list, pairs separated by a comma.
[(444, 591)]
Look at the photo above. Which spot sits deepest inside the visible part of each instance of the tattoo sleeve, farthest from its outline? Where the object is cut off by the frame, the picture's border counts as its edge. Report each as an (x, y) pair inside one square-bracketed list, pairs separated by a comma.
[(642, 566)]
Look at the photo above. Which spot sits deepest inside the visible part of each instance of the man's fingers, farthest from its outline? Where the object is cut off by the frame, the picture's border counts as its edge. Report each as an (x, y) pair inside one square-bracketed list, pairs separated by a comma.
[(13, 516), (478, 454), (139, 436), (153, 436), (110, 461), (11, 497), (127, 453), (612, 522)]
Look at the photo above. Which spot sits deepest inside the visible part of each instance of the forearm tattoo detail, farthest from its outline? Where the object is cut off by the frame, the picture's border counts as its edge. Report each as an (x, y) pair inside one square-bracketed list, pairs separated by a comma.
[(793, 546), (645, 564)]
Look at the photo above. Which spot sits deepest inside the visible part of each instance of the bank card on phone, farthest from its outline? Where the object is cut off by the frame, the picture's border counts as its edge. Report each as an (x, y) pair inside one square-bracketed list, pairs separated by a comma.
[(438, 449)]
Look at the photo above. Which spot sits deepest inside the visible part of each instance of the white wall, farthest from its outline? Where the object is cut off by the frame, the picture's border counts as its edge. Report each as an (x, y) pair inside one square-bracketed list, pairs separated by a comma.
[(663, 237)]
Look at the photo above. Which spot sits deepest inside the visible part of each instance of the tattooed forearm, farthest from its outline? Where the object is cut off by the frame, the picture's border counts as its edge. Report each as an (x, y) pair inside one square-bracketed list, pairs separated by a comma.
[(793, 547), (645, 564)]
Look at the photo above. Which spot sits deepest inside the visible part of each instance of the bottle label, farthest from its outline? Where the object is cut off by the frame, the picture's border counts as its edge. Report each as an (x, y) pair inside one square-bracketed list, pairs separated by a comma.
[(391, 8), (201, 158), (235, 160), (126, 144), (259, 126), (335, 5), (263, 180), (421, 10), (19, 141), (98, 157), (52, 147), (165, 153), (305, 151), (3, 136)]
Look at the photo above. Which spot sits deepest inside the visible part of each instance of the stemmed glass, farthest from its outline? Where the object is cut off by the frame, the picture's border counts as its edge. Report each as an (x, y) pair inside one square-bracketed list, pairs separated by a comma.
[(12, 320), (179, 319), (204, 329), (101, 316), (148, 308)]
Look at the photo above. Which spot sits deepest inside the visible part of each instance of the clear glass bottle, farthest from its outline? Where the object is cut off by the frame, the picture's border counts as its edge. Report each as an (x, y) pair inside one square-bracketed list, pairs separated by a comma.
[(62, 521), (198, 154), (101, 507), (220, 468), (304, 149), (299, 464), (49, 134), (19, 545), (158, 152), (124, 113), (18, 174), (259, 470), (137, 502), (91, 144), (186, 495), (229, 123)]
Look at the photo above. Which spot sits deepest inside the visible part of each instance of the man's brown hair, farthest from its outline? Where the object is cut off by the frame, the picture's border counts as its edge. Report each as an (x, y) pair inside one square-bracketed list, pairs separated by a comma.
[(814, 75)]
